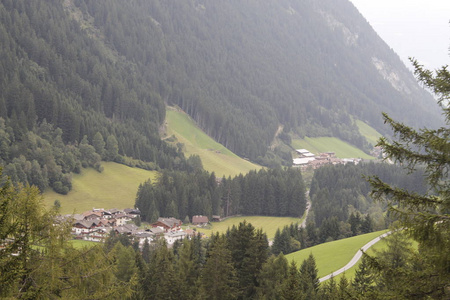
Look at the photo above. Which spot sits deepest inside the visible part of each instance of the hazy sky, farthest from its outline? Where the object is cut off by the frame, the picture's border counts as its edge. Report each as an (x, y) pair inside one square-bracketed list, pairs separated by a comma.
[(416, 28)]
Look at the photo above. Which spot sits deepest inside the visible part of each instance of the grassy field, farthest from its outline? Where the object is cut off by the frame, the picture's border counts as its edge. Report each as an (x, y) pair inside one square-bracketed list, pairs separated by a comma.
[(333, 255), (350, 273), (81, 244), (269, 225), (215, 157), (115, 187), (330, 144), (368, 132), (380, 246)]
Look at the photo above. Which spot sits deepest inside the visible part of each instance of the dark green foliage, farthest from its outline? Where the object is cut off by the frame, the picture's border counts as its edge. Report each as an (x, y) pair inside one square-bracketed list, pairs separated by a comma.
[(423, 216), (309, 278), (160, 280), (240, 92), (249, 251), (289, 239), (277, 192), (273, 274), (219, 278), (341, 200), (266, 192), (188, 268), (90, 68), (58, 85), (291, 288), (363, 283)]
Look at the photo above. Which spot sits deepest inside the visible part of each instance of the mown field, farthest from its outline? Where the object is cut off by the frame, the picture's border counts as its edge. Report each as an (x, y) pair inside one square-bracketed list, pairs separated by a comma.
[(81, 244), (334, 255), (330, 144), (368, 132), (269, 225), (350, 273), (380, 246), (115, 187), (215, 157)]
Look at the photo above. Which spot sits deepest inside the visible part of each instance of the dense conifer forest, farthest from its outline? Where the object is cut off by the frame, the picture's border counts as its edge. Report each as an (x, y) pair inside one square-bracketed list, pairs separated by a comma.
[(92, 70), (277, 192)]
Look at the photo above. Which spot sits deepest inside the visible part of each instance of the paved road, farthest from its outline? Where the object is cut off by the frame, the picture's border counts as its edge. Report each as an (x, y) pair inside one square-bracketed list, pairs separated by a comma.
[(355, 258)]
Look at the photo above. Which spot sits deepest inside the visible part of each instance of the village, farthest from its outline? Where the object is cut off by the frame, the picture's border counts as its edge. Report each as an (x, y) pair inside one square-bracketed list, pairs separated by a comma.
[(96, 225), (306, 159)]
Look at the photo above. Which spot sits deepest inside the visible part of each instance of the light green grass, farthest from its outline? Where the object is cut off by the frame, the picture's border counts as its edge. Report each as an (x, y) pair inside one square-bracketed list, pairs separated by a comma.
[(334, 255), (350, 273), (378, 247), (269, 225), (368, 132), (330, 144), (78, 244), (215, 157), (115, 187)]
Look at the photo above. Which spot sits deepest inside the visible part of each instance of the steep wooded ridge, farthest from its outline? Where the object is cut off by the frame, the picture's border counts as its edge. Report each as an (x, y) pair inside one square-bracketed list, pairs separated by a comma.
[(239, 68)]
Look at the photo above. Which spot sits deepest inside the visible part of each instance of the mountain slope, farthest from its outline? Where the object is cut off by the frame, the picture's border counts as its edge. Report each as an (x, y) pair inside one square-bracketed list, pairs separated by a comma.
[(241, 70)]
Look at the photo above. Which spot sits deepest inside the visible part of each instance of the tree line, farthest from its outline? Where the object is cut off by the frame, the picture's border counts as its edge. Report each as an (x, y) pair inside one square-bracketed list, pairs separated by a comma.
[(272, 192), (341, 193)]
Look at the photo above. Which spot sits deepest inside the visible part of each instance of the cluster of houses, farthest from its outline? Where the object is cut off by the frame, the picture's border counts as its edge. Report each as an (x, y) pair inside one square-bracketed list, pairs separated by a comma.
[(306, 159), (96, 225)]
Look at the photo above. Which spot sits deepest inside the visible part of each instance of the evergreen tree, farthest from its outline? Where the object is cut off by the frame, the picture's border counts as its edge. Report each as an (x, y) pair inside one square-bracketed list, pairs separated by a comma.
[(424, 217), (363, 282), (146, 251), (310, 280), (188, 270), (161, 280), (125, 258), (58, 271), (219, 279), (99, 144), (112, 148), (291, 288), (249, 251), (273, 274)]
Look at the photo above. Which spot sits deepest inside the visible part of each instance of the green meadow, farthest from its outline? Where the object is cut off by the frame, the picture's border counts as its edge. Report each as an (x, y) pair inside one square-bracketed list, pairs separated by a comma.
[(269, 225), (334, 255), (115, 187), (350, 273), (330, 144), (368, 132), (380, 246), (78, 244), (215, 157)]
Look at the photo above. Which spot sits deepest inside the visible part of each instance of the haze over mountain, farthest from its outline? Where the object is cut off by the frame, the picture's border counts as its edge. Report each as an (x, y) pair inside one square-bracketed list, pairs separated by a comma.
[(242, 69), (418, 28)]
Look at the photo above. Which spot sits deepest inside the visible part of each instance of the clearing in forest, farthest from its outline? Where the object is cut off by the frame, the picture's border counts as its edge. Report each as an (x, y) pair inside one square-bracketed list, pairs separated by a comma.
[(115, 187), (215, 157)]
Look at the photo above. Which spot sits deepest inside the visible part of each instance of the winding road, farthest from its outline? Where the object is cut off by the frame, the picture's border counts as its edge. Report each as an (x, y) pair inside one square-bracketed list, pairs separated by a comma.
[(355, 258)]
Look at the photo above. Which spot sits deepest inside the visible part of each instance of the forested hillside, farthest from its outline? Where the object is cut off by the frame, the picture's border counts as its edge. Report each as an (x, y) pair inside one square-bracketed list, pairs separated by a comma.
[(66, 101), (242, 68), (84, 80)]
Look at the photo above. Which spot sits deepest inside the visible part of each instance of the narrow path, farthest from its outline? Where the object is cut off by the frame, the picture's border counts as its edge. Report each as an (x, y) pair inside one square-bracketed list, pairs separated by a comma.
[(355, 258), (308, 207)]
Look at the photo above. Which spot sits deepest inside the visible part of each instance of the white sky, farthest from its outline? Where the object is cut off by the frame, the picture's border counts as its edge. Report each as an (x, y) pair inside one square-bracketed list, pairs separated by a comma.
[(413, 28)]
